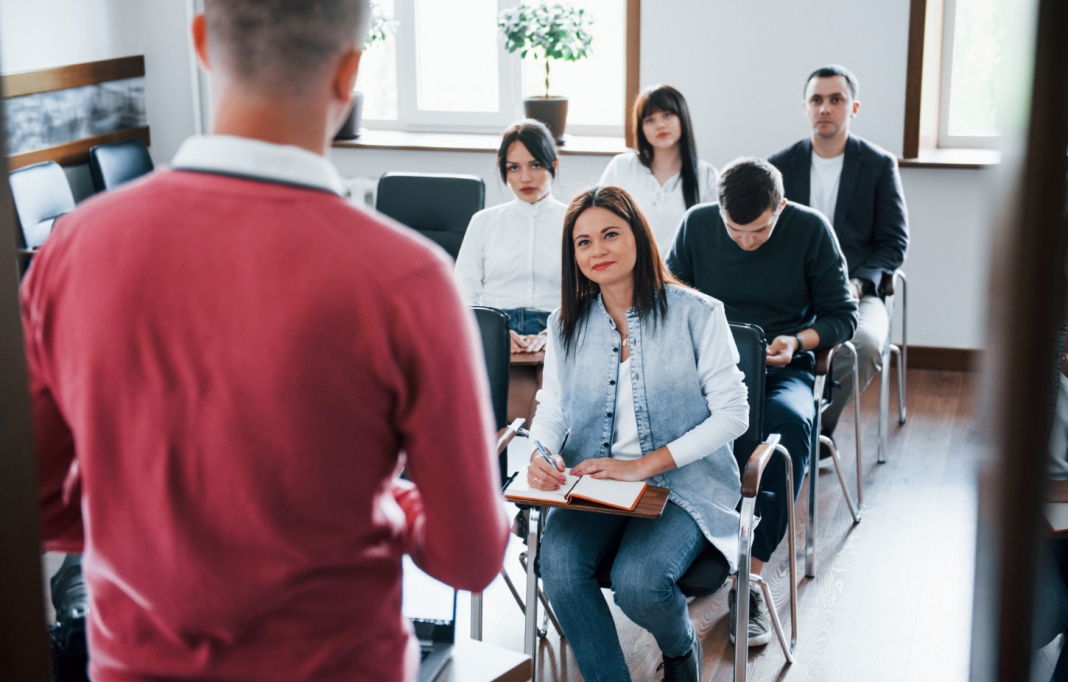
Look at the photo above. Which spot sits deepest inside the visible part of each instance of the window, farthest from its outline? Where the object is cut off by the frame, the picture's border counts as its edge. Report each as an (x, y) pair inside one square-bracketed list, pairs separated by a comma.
[(445, 69), (972, 47), (955, 49)]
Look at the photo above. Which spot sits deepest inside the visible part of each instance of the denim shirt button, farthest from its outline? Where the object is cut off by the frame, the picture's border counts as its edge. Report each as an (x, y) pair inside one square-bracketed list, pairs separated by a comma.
[(604, 445), (609, 414), (615, 350), (612, 382)]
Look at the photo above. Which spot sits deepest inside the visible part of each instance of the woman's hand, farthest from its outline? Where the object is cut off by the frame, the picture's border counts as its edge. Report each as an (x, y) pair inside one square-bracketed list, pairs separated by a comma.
[(541, 476), (616, 469), (519, 344), (537, 342), (527, 344)]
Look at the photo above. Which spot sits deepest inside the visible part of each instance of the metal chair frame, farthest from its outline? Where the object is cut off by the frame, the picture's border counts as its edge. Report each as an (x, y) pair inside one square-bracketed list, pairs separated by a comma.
[(822, 403), (902, 361)]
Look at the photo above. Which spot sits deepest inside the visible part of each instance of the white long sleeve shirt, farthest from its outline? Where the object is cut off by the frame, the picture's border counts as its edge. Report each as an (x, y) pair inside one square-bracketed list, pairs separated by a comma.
[(664, 205), (510, 256), (718, 374)]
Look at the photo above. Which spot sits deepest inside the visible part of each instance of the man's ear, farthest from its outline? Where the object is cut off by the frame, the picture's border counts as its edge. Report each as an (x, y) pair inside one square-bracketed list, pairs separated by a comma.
[(345, 74), (200, 40), (856, 108)]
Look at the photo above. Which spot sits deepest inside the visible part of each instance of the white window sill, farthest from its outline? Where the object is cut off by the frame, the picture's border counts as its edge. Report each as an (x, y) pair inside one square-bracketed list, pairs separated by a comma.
[(946, 157), (583, 145)]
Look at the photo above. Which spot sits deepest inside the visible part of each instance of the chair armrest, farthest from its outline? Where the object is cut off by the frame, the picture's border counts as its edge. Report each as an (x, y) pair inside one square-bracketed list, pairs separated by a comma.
[(824, 358), (754, 468), (505, 435), (887, 285), (26, 254)]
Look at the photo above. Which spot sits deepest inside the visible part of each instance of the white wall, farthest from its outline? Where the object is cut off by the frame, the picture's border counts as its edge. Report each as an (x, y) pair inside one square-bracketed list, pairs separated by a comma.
[(41, 34)]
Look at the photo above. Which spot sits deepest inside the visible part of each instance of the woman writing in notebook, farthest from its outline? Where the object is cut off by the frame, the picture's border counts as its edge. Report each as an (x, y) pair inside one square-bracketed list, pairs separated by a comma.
[(510, 256), (643, 371), (664, 175)]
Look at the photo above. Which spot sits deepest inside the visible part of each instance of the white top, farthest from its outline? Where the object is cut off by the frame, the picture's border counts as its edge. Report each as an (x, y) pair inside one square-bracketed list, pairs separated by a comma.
[(823, 184), (717, 370), (625, 442), (510, 256), (664, 204), (1058, 437), (245, 157)]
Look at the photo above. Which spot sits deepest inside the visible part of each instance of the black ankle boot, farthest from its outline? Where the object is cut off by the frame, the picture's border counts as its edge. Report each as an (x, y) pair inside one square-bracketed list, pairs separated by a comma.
[(685, 668)]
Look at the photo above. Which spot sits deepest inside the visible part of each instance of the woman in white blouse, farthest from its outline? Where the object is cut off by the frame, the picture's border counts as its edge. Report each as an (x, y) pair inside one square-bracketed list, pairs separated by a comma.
[(664, 176), (510, 256)]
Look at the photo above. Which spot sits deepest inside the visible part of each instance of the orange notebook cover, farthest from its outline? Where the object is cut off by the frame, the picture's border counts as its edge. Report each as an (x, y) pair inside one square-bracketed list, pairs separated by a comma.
[(616, 494)]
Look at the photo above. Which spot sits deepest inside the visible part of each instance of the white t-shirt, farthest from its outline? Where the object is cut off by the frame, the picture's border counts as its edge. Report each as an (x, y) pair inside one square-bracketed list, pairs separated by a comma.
[(625, 442), (510, 256), (664, 205), (823, 186)]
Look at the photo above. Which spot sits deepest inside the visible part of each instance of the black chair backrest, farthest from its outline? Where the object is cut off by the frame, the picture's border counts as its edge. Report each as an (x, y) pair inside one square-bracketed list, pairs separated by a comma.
[(41, 194), (751, 360), (497, 346), (119, 162), (437, 206)]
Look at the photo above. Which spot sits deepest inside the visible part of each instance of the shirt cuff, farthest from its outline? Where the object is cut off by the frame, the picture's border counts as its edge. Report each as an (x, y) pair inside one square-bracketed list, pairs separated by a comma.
[(686, 449)]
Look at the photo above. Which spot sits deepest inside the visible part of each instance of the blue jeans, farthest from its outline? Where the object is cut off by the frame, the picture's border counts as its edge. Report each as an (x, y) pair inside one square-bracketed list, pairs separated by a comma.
[(789, 411), (527, 321), (653, 555)]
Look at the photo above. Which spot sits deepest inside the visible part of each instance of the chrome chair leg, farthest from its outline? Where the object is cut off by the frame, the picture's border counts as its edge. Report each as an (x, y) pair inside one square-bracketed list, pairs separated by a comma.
[(903, 361), (841, 478), (813, 479), (884, 399), (476, 616), (530, 630)]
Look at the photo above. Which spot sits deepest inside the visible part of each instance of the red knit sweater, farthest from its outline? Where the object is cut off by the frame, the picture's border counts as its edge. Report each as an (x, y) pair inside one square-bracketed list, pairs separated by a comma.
[(224, 372)]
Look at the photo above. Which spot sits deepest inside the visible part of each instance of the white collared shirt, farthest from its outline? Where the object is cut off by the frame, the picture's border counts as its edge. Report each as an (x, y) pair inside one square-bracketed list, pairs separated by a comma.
[(664, 205), (249, 158), (510, 256), (825, 177)]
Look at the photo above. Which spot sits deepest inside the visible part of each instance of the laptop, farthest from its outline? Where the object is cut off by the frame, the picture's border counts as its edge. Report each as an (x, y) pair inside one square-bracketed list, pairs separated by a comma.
[(431, 606)]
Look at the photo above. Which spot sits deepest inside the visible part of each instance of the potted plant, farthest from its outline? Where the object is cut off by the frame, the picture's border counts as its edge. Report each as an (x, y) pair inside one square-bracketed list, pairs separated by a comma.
[(547, 30), (379, 30)]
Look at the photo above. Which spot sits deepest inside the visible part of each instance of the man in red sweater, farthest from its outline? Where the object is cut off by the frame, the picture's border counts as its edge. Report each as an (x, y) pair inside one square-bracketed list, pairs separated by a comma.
[(227, 360)]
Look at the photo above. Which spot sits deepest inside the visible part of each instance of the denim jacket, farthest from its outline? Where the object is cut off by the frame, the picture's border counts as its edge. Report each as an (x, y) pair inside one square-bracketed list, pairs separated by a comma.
[(668, 401)]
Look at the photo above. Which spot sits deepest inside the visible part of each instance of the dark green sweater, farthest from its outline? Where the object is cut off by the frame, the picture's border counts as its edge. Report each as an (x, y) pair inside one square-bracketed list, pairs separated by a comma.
[(793, 281)]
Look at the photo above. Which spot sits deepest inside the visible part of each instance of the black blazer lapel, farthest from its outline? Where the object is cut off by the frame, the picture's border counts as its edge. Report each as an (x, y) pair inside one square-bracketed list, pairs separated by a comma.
[(802, 163), (848, 182)]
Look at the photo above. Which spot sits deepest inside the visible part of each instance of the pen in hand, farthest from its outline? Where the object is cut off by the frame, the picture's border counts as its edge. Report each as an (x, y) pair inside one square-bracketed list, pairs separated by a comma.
[(545, 453)]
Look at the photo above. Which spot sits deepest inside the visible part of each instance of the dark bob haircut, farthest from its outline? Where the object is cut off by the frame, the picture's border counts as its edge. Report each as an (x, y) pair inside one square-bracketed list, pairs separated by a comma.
[(832, 70), (667, 99), (748, 186), (536, 137), (650, 277)]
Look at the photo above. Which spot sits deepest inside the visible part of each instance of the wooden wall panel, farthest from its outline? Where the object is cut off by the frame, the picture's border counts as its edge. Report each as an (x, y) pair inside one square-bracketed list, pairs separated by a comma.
[(73, 76), (77, 151)]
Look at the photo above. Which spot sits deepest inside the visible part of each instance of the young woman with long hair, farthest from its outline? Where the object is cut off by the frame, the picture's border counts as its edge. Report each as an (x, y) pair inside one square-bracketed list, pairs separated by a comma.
[(510, 256), (643, 371), (664, 174)]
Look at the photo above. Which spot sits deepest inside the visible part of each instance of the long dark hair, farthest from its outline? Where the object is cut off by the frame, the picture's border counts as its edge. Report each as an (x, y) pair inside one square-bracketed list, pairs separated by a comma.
[(650, 277), (536, 137), (668, 99)]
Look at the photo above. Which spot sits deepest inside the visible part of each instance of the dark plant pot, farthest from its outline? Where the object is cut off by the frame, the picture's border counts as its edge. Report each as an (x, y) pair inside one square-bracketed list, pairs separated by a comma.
[(552, 111), (350, 129)]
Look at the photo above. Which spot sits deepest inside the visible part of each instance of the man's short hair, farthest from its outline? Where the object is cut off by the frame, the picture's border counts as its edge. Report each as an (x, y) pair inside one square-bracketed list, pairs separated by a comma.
[(283, 47), (832, 70), (747, 187)]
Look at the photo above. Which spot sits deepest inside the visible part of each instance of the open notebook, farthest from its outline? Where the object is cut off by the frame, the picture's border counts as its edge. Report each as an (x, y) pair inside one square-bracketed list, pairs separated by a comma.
[(618, 494)]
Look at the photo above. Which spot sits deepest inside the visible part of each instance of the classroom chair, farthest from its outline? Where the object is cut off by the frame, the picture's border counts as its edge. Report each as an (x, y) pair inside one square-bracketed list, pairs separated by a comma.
[(890, 286), (117, 163), (41, 194), (438, 206)]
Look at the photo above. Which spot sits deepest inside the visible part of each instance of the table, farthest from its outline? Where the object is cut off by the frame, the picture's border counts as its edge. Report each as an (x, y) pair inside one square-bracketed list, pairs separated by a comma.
[(650, 506), (478, 662), (523, 385)]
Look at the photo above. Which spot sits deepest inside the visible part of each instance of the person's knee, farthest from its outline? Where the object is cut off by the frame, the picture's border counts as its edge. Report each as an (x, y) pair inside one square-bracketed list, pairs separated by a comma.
[(557, 565), (869, 349), (639, 587)]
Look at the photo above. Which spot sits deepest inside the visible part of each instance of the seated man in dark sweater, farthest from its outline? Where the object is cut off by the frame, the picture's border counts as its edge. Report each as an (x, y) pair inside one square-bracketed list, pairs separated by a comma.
[(775, 264)]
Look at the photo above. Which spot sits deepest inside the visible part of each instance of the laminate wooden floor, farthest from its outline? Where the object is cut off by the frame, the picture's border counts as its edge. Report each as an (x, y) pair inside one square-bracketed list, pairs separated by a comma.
[(892, 597)]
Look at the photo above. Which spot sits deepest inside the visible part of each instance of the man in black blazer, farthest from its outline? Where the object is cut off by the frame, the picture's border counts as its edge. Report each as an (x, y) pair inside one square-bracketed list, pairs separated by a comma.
[(857, 186)]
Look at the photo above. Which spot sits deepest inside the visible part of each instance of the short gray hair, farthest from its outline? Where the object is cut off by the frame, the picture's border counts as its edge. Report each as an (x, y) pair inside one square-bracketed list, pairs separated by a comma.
[(281, 47)]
